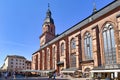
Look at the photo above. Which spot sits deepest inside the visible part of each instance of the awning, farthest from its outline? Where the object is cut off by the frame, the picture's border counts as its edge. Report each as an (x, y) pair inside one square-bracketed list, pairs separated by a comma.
[(100, 71), (48, 71), (70, 70), (107, 68), (30, 70)]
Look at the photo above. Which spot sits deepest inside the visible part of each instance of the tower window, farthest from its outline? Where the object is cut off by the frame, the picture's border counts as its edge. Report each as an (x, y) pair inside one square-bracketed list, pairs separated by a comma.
[(51, 30)]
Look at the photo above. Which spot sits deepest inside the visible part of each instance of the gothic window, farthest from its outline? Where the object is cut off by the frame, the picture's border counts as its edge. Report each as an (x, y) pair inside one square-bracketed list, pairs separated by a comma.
[(53, 57), (72, 44), (48, 58), (72, 60), (62, 49), (43, 57), (109, 44), (88, 46)]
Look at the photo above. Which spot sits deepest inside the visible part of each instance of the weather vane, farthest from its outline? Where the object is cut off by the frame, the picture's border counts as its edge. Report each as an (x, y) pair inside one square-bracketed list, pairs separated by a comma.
[(94, 7), (48, 5)]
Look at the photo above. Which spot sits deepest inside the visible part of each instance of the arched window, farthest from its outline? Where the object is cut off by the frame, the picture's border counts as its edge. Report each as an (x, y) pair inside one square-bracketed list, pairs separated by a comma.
[(72, 44), (53, 57), (72, 60), (72, 55), (43, 57), (88, 46), (51, 29), (62, 49), (48, 28), (109, 44), (48, 58)]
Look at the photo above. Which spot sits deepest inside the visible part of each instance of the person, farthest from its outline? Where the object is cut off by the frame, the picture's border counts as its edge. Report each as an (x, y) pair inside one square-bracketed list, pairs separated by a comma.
[(50, 75), (0, 74), (6, 75), (9, 74), (54, 76), (61, 75), (14, 75), (107, 78)]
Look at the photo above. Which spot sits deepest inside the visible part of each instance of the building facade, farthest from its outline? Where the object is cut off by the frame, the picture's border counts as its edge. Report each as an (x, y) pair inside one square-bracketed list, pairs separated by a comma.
[(16, 63), (28, 64), (90, 46)]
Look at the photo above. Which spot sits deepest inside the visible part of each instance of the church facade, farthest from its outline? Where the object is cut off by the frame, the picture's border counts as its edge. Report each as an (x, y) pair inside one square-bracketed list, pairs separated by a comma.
[(90, 46)]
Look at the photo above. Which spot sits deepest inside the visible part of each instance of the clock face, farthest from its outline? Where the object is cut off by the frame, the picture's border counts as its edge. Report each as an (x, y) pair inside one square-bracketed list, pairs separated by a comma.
[(43, 41)]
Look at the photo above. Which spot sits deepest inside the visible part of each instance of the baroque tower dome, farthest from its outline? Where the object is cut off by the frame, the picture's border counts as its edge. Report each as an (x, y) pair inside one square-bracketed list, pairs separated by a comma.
[(48, 29), (48, 18)]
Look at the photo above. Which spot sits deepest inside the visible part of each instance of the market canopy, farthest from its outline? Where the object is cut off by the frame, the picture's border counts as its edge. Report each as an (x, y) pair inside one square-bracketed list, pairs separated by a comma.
[(39, 71), (107, 68), (70, 70), (100, 71), (60, 63)]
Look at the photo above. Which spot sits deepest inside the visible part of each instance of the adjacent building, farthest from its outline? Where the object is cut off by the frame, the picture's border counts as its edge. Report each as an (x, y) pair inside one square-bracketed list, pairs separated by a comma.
[(16, 63), (28, 64), (92, 46)]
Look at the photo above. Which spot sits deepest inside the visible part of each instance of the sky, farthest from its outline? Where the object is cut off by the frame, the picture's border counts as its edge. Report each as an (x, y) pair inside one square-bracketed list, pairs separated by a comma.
[(21, 22)]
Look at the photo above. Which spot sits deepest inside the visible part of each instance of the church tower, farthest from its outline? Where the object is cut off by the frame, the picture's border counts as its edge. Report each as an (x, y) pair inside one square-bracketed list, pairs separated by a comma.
[(48, 29)]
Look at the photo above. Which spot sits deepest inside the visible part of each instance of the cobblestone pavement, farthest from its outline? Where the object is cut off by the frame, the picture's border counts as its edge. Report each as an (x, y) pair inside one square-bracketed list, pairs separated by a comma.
[(33, 78), (44, 78)]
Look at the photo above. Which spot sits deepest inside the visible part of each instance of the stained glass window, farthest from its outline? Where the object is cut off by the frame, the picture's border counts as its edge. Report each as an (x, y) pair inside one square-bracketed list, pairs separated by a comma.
[(73, 45), (88, 46), (109, 44), (62, 49)]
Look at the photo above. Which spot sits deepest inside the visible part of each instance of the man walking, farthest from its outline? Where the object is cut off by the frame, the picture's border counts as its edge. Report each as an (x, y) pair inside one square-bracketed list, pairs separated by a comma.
[(54, 76)]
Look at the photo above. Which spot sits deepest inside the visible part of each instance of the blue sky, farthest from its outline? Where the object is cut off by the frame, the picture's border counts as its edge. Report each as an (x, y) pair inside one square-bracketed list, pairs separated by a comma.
[(21, 22)]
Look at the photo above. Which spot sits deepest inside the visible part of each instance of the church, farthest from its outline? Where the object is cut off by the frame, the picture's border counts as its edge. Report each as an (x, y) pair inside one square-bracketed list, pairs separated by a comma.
[(90, 48)]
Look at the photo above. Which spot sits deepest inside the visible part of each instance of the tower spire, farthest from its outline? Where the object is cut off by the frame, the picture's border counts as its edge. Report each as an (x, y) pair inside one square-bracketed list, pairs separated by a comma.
[(48, 6), (48, 14), (94, 7)]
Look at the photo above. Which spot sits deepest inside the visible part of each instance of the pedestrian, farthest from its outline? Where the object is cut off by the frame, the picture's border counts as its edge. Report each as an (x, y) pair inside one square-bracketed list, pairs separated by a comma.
[(6, 75), (14, 77), (54, 76), (61, 75), (0, 74), (107, 78)]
